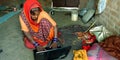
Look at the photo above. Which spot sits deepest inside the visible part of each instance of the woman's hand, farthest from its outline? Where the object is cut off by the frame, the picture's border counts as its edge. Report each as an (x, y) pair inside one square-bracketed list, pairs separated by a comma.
[(53, 45), (40, 48)]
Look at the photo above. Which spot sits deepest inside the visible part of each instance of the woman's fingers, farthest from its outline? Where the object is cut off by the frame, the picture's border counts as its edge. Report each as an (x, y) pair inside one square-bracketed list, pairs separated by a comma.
[(53, 45)]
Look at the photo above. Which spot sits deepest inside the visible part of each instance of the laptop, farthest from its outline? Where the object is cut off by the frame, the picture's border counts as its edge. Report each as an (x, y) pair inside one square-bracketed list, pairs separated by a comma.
[(58, 53)]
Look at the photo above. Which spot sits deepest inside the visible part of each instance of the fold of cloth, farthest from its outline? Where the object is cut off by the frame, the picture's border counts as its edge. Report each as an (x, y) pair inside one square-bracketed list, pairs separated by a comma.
[(112, 46), (97, 53), (80, 55)]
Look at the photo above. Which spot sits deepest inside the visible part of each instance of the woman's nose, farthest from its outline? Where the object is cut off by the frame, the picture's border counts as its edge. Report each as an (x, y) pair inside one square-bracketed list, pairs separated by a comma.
[(35, 16)]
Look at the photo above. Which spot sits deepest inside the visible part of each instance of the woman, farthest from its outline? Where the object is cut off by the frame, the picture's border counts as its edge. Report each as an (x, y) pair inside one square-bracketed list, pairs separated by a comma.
[(38, 27)]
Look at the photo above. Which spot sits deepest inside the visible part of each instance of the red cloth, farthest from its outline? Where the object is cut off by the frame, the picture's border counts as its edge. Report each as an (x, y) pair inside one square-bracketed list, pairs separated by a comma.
[(28, 44), (87, 47), (90, 39)]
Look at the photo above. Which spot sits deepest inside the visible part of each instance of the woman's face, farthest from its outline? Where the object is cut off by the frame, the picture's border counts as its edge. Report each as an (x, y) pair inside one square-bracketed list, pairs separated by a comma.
[(34, 14)]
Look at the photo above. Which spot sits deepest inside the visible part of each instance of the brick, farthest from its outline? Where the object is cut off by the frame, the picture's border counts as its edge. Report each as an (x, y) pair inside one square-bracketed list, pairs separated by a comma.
[(113, 6), (107, 12), (118, 3), (118, 23), (114, 13), (114, 19), (113, 31), (117, 29)]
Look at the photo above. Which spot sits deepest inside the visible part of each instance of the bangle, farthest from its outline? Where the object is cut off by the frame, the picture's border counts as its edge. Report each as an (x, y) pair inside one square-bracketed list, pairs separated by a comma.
[(55, 39), (35, 44)]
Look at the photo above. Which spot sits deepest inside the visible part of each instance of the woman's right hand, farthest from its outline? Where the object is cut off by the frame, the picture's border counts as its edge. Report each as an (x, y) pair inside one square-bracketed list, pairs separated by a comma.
[(40, 48)]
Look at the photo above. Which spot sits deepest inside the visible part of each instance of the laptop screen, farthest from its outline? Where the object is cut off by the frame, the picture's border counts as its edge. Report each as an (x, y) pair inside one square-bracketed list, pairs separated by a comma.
[(52, 54)]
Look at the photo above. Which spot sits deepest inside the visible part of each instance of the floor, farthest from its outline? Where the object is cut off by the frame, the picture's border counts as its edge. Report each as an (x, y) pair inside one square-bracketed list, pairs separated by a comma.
[(11, 36)]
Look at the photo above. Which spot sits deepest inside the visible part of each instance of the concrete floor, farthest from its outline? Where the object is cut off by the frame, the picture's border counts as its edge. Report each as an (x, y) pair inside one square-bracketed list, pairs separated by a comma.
[(11, 37)]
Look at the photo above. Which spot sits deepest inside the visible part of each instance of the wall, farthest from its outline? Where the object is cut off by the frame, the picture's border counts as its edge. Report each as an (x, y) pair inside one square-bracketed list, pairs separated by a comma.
[(11, 3), (83, 3), (17, 3), (110, 18)]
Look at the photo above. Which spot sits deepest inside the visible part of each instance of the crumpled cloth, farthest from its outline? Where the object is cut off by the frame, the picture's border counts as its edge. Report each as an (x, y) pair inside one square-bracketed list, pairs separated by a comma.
[(97, 53), (112, 46), (80, 55), (100, 32)]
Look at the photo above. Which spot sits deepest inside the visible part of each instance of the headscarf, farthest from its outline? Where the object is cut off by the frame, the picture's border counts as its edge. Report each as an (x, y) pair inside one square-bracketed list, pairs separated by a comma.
[(28, 5)]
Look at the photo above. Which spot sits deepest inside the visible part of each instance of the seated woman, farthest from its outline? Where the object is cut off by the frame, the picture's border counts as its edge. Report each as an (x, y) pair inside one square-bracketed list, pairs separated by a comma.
[(38, 27)]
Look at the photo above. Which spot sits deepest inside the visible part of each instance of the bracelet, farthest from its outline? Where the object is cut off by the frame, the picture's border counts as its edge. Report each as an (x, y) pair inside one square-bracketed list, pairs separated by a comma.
[(55, 39), (35, 44)]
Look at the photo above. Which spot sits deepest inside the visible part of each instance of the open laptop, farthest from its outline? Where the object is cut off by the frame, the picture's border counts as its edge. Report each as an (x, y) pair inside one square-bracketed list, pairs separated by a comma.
[(52, 54)]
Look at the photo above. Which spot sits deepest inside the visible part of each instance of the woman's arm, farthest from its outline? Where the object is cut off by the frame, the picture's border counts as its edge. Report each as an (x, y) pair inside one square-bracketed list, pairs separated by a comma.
[(55, 30), (27, 34), (37, 46)]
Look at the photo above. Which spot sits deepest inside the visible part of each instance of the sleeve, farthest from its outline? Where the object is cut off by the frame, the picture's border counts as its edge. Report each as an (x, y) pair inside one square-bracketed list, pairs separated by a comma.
[(46, 15), (23, 25)]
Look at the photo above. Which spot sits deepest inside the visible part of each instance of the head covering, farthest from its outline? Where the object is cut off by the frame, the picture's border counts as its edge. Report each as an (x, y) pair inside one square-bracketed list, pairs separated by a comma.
[(28, 5)]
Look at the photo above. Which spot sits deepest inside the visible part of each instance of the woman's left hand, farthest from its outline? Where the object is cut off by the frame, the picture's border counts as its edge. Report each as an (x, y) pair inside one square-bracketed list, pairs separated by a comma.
[(53, 45)]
